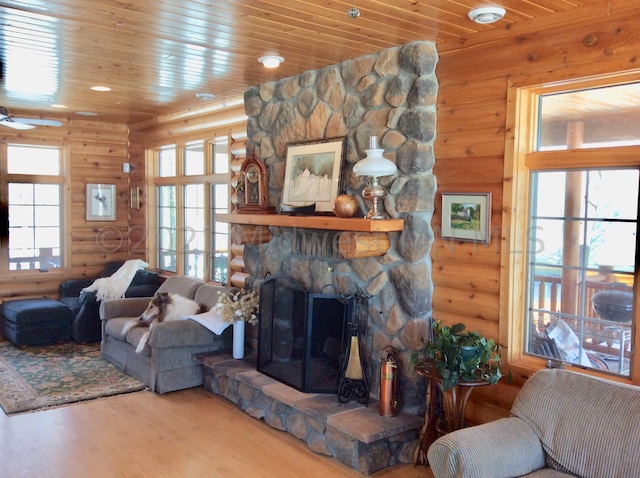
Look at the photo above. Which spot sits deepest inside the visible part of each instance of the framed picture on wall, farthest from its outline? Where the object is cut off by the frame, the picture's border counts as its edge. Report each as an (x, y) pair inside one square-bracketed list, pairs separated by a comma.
[(313, 174), (101, 202), (467, 217)]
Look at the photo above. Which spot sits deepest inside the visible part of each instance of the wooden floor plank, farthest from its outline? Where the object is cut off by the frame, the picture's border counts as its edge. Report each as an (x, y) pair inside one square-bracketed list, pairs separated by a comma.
[(188, 433)]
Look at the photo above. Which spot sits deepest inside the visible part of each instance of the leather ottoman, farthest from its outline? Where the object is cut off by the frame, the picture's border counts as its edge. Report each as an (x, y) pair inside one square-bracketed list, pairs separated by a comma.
[(35, 321)]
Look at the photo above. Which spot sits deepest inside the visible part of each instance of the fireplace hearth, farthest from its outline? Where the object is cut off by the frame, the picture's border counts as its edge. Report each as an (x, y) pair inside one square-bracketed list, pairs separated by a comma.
[(350, 432), (302, 336)]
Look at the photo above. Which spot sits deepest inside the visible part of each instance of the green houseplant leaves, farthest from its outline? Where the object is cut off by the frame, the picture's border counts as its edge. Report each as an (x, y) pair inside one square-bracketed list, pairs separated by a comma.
[(461, 356)]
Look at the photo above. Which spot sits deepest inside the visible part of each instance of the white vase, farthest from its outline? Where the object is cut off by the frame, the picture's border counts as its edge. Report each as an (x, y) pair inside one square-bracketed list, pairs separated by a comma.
[(238, 339)]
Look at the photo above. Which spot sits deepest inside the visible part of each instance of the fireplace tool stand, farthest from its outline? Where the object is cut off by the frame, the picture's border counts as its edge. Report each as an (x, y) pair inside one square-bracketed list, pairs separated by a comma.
[(353, 380)]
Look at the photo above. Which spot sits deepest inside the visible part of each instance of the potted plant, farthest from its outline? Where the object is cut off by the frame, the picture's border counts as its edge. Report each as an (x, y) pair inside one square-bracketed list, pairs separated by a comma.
[(461, 356)]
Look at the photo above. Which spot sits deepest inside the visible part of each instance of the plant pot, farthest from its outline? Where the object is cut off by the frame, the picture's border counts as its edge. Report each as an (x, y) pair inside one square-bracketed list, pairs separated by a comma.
[(467, 352)]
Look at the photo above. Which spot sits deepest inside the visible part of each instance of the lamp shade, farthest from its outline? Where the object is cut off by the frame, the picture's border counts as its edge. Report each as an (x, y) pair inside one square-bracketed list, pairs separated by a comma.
[(374, 164)]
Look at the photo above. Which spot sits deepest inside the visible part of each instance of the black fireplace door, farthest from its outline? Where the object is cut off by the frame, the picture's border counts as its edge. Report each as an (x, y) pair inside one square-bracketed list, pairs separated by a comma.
[(302, 336)]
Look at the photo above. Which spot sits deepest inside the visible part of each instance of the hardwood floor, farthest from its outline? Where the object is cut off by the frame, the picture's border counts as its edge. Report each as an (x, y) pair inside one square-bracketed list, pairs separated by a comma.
[(190, 433)]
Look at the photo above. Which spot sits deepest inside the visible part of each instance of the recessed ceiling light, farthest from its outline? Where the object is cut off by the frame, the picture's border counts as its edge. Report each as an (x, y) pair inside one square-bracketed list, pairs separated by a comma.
[(59, 106), (86, 113), (485, 15), (271, 61), (205, 96), (100, 88)]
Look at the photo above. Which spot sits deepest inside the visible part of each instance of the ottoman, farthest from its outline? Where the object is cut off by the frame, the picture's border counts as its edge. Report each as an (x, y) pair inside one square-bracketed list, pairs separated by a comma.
[(35, 321)]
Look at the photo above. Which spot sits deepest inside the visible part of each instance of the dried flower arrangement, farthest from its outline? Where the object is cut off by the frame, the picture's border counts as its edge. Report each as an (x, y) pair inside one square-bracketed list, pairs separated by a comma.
[(239, 304)]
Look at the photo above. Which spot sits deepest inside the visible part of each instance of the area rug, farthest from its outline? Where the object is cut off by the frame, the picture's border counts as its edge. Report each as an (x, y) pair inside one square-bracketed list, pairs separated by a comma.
[(40, 377)]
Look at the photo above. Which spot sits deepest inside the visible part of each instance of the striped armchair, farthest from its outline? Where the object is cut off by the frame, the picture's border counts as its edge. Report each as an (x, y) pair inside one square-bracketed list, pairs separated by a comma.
[(562, 423)]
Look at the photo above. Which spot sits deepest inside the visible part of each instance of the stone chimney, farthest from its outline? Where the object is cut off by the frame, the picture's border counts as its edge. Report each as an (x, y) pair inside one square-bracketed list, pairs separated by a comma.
[(391, 95)]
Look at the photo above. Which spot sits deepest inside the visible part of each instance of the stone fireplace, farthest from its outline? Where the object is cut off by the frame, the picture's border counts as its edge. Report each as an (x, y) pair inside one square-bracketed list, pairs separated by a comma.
[(391, 95)]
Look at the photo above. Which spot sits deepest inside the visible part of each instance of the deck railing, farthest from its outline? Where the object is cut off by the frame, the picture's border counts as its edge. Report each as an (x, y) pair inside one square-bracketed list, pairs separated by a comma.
[(549, 294), (597, 334)]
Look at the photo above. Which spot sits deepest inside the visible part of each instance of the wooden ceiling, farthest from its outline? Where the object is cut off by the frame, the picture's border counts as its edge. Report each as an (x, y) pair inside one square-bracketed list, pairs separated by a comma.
[(156, 55)]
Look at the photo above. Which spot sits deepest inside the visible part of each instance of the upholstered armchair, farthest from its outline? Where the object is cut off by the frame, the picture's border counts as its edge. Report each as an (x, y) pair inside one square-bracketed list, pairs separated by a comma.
[(85, 325), (562, 424)]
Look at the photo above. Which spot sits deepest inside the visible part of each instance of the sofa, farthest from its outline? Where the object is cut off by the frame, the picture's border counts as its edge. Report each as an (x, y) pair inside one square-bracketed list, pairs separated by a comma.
[(562, 424), (166, 364), (85, 308)]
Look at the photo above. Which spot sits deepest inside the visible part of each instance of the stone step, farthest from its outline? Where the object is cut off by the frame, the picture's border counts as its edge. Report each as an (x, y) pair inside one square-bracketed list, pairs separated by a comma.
[(351, 432)]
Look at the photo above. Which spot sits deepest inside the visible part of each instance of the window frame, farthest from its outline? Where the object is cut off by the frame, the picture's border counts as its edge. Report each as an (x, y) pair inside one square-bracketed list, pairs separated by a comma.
[(180, 181), (520, 158), (62, 179)]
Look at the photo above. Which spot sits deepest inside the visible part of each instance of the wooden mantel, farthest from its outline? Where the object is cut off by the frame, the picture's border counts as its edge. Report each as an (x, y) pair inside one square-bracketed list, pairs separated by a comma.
[(360, 237), (315, 222)]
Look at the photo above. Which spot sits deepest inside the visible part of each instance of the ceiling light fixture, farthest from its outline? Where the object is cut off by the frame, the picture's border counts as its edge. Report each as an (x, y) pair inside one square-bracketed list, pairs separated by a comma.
[(485, 15), (353, 12), (86, 113), (100, 88), (271, 61), (205, 96)]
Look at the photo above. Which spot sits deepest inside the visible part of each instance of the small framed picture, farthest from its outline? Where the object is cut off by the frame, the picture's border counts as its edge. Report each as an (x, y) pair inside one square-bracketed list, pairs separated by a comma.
[(467, 217), (313, 174), (101, 202)]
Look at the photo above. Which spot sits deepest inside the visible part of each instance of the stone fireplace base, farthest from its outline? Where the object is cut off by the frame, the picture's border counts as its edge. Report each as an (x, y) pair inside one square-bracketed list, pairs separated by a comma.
[(354, 434)]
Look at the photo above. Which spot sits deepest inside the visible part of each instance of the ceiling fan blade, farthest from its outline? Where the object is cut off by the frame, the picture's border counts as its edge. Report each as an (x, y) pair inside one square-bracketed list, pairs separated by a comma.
[(12, 124), (38, 122)]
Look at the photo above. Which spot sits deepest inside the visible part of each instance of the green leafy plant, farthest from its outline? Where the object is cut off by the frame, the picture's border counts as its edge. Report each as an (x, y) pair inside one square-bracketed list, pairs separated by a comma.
[(455, 362)]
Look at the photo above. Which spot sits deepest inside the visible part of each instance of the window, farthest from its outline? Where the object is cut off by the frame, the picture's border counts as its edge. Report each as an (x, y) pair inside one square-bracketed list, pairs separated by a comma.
[(577, 227), (194, 159), (192, 186), (220, 195), (33, 186), (194, 230), (584, 235), (167, 162), (220, 236), (167, 228)]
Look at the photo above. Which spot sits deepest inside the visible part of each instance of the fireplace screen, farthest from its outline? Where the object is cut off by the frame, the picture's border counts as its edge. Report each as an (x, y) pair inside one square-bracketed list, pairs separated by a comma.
[(302, 336)]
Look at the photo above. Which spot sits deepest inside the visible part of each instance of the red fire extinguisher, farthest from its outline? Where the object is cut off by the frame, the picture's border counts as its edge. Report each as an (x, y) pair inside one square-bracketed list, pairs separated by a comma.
[(388, 405)]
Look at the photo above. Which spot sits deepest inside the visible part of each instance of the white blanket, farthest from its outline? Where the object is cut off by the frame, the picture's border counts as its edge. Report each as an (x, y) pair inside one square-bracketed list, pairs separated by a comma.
[(212, 320), (115, 286)]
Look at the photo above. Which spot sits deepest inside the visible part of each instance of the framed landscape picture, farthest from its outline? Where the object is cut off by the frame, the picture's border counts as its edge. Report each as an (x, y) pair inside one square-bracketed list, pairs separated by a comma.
[(466, 217), (313, 174)]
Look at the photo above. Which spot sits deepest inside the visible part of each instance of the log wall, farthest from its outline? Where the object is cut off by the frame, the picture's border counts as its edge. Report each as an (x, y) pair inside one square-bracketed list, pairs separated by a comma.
[(470, 148), (238, 150), (97, 151)]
